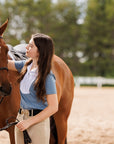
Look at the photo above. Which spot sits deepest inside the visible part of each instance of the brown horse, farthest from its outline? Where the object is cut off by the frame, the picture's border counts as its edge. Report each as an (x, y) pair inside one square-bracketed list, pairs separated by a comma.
[(10, 89)]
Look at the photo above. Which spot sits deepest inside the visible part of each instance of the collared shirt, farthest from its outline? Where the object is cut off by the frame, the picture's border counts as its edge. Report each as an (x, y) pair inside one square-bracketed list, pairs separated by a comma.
[(29, 98)]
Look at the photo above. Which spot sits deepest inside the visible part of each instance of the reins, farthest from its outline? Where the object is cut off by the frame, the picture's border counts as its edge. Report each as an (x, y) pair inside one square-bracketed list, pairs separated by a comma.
[(27, 139), (9, 124)]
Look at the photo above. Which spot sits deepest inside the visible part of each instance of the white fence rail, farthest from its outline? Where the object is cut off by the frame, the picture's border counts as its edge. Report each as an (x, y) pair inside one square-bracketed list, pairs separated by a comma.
[(99, 81)]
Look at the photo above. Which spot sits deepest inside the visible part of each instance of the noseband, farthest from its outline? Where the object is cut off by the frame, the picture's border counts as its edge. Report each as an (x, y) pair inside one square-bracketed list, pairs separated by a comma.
[(4, 68)]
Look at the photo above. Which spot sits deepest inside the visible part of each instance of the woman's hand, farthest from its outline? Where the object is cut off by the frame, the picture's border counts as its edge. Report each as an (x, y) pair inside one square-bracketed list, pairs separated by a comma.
[(23, 125)]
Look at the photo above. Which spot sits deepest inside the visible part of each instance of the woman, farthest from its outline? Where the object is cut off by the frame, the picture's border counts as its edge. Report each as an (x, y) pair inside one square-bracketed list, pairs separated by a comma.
[(38, 90)]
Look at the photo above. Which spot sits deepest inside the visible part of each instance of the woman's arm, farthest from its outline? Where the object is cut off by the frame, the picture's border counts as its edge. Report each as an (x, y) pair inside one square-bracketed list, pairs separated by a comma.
[(16, 65), (11, 65), (47, 112)]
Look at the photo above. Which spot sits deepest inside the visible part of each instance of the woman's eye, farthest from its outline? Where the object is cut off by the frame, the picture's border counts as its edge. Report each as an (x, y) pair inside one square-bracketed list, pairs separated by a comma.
[(31, 46)]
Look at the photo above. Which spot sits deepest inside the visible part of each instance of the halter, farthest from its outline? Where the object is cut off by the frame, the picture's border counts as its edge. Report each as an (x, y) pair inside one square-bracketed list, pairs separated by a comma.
[(4, 68)]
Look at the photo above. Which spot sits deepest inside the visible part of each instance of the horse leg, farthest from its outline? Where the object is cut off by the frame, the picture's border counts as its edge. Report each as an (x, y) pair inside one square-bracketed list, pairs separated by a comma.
[(61, 117), (61, 126), (11, 134)]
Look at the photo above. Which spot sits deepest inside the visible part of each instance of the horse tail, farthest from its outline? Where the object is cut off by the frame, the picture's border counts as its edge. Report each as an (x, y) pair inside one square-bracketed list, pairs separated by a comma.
[(53, 130)]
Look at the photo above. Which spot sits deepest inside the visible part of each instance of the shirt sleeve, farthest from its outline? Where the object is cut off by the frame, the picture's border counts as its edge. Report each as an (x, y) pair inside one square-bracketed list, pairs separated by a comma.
[(19, 65), (50, 84)]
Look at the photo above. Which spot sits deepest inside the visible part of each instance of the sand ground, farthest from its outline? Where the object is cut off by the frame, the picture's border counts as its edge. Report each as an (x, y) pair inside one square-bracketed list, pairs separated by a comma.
[(92, 117)]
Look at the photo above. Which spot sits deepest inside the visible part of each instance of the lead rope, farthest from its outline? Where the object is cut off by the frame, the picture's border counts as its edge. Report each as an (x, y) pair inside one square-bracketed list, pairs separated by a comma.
[(27, 139)]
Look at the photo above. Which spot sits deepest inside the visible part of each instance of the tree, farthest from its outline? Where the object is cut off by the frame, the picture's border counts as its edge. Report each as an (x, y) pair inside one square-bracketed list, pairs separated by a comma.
[(99, 37), (58, 20), (66, 32)]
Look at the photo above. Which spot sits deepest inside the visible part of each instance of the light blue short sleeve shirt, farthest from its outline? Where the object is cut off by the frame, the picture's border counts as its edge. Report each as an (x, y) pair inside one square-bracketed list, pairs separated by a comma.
[(29, 100)]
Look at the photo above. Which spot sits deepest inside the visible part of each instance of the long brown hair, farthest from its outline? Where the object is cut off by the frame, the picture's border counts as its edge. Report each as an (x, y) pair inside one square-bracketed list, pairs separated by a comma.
[(45, 47)]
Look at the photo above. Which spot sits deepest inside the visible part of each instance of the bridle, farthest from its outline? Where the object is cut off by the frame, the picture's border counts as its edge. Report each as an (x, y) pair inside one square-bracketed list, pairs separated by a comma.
[(3, 93), (4, 68)]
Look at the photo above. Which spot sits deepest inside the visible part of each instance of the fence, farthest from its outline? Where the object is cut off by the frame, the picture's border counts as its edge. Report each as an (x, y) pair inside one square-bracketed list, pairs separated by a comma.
[(99, 81)]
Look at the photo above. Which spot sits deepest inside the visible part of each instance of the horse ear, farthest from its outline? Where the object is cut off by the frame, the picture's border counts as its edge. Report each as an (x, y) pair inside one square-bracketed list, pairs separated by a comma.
[(3, 27)]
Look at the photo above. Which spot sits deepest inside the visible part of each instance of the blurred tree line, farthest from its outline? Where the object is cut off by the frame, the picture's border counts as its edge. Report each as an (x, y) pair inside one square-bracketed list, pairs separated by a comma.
[(87, 47)]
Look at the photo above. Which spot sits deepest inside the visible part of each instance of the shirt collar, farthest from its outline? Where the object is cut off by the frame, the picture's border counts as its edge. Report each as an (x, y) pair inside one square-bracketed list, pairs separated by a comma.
[(33, 70)]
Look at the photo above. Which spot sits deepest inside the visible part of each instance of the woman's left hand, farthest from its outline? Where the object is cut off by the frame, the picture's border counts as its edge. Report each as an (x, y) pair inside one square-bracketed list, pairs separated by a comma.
[(23, 125)]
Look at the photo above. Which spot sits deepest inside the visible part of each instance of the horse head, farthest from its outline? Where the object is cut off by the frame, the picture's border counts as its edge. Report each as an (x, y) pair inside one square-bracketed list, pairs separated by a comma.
[(5, 87)]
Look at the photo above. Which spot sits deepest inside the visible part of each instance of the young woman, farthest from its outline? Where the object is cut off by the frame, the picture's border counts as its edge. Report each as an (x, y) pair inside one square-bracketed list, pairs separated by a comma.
[(37, 89)]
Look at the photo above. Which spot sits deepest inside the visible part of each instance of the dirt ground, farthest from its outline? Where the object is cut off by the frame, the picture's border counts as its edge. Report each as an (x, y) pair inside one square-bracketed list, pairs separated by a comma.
[(92, 117)]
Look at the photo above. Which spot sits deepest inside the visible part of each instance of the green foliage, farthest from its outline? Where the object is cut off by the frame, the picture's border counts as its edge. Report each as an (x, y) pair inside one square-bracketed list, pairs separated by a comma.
[(99, 38), (57, 20), (94, 38)]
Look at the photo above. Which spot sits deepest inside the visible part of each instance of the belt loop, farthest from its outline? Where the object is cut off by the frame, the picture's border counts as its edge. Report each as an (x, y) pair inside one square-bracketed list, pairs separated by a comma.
[(32, 112)]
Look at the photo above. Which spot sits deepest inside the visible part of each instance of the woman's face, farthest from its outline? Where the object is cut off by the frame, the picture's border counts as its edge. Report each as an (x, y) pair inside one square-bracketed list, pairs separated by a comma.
[(32, 50)]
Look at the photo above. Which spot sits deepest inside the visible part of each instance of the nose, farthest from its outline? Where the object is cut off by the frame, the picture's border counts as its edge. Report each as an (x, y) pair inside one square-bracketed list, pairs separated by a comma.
[(27, 47)]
